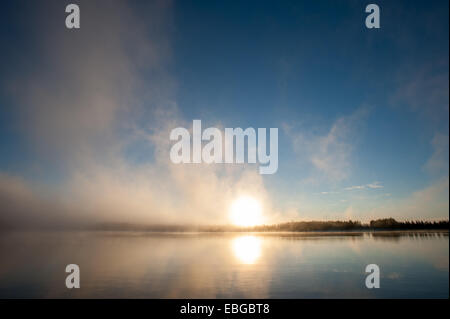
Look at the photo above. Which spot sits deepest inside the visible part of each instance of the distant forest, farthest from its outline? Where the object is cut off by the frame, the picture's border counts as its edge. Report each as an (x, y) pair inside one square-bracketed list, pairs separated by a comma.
[(379, 224)]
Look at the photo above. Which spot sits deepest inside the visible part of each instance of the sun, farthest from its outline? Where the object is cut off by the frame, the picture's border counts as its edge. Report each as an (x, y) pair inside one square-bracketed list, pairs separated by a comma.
[(246, 211)]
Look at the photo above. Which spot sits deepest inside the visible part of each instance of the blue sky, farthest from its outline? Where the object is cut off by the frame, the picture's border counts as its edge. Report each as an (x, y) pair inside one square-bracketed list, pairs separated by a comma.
[(362, 114)]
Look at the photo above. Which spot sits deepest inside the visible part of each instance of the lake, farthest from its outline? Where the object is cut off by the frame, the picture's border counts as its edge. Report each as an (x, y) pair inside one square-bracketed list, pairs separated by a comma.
[(224, 265)]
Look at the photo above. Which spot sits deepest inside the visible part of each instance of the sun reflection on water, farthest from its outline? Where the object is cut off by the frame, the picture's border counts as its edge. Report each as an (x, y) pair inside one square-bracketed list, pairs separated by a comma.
[(247, 249)]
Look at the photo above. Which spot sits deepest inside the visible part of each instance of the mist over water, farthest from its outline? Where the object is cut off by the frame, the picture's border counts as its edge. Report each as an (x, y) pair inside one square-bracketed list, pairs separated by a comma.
[(131, 264)]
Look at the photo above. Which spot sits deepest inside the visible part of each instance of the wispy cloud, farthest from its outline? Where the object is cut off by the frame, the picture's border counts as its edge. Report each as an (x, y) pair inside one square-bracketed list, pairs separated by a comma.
[(438, 162), (331, 154), (431, 202), (350, 188), (373, 185), (424, 89)]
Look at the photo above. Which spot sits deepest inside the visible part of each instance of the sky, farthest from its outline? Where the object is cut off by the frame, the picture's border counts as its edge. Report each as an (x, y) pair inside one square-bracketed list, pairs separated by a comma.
[(85, 114)]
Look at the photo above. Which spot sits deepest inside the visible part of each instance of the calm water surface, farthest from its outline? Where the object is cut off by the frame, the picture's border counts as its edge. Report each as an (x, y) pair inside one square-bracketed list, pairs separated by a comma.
[(218, 265)]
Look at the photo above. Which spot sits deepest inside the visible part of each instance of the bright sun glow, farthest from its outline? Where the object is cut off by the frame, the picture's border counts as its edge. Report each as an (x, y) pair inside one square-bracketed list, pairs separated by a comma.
[(246, 211), (247, 249)]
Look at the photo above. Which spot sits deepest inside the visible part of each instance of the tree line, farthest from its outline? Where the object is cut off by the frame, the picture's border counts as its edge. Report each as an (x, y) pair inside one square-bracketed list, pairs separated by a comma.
[(350, 225)]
